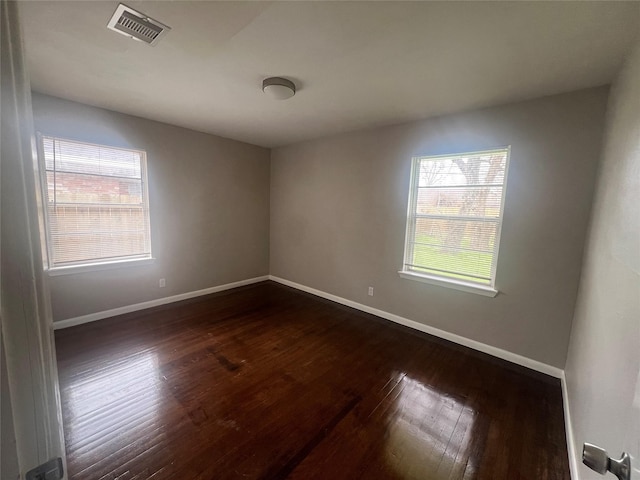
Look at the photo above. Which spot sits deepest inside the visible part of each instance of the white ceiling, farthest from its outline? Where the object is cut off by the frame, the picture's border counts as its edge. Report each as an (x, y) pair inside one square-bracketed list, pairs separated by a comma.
[(356, 64)]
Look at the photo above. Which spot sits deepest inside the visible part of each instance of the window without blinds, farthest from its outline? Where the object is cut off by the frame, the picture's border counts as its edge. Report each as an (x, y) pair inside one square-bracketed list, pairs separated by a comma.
[(455, 216), (96, 198)]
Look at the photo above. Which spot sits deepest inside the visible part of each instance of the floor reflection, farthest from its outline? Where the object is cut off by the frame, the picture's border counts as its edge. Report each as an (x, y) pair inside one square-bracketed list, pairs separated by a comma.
[(428, 432), (122, 394)]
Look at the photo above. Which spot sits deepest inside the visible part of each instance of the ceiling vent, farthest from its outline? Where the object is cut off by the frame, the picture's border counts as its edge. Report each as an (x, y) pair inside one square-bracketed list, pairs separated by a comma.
[(136, 25)]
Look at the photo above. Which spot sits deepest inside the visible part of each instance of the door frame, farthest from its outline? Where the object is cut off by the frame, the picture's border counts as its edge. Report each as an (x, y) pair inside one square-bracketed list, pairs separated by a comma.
[(26, 324)]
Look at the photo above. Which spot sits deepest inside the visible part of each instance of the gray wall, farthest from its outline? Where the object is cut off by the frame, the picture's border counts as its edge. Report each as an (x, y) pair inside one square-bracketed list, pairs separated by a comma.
[(209, 202), (9, 468), (338, 212), (603, 365)]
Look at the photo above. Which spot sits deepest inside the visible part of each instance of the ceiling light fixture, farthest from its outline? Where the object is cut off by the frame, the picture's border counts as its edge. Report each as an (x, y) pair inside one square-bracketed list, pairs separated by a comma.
[(278, 88)]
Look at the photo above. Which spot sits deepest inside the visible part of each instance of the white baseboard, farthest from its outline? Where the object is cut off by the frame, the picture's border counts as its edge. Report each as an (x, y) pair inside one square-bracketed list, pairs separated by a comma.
[(92, 317), (475, 345), (452, 337), (571, 445)]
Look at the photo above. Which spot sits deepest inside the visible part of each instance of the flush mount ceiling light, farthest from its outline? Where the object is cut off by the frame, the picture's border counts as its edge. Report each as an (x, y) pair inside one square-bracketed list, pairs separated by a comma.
[(278, 88), (137, 25)]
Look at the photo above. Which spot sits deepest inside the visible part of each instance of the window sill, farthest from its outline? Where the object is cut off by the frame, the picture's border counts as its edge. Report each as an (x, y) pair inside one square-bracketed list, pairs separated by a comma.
[(457, 285), (94, 267)]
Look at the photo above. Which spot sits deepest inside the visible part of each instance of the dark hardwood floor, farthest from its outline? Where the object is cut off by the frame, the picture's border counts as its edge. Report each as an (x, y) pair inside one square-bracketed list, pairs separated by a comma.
[(264, 382)]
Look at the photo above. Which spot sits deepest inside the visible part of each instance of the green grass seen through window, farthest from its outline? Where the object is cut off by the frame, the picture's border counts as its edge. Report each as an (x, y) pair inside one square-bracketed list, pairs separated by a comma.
[(469, 262)]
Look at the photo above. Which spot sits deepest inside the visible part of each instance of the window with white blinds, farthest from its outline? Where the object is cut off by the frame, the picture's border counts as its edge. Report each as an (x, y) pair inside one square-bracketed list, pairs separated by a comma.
[(97, 208), (455, 216)]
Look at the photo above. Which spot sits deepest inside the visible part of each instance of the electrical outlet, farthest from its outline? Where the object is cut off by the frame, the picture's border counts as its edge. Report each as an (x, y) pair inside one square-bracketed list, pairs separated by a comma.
[(371, 291), (162, 283)]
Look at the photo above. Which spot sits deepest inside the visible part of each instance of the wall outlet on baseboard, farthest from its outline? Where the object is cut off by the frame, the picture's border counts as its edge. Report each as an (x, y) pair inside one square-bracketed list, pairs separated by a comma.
[(162, 283), (371, 291)]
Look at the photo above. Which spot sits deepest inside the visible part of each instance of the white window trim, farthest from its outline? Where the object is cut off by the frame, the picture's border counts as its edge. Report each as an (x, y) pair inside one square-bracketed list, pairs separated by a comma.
[(97, 266), (450, 283), (91, 265), (469, 287)]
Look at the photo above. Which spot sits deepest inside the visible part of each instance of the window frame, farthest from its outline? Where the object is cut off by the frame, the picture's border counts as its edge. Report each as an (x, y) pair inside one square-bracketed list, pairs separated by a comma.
[(95, 264), (490, 289)]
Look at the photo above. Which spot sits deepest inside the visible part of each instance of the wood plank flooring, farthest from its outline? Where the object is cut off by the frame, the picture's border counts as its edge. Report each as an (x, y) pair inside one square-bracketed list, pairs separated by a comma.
[(265, 382)]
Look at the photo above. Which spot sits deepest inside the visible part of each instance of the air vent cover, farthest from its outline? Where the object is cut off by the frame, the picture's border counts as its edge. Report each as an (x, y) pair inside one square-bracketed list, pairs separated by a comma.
[(136, 25)]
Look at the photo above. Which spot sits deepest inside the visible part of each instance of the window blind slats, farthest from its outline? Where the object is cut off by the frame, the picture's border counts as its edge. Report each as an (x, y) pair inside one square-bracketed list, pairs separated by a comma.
[(453, 248), (85, 188), (471, 201), (451, 272), (461, 186), (96, 202), (79, 157), (455, 216)]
